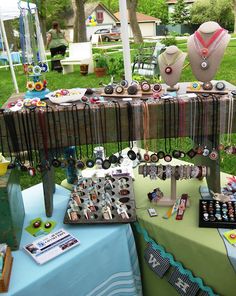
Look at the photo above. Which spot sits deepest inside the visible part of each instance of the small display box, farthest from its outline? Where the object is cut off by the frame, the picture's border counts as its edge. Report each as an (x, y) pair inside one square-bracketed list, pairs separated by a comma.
[(216, 214), (6, 274), (105, 200)]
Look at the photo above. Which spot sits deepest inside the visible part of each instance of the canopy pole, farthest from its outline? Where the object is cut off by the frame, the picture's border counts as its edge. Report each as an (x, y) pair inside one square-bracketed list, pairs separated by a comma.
[(125, 39), (9, 55)]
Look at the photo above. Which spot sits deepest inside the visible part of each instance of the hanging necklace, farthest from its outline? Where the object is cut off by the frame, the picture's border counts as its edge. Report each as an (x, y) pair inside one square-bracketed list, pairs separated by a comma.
[(146, 130), (167, 156), (80, 163), (168, 63), (229, 147), (103, 123), (90, 161), (131, 154), (205, 49), (214, 154)]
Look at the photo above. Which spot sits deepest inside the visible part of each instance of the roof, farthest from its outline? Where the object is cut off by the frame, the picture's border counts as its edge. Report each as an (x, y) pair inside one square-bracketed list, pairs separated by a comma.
[(175, 1), (141, 18)]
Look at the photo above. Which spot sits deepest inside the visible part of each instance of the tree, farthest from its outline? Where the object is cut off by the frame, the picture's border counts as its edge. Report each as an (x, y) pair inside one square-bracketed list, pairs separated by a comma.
[(132, 8), (80, 34), (220, 11), (181, 13), (234, 7), (158, 9)]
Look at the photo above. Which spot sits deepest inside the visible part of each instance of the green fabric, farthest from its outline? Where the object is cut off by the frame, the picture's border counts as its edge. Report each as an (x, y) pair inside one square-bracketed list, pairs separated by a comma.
[(57, 38), (200, 250)]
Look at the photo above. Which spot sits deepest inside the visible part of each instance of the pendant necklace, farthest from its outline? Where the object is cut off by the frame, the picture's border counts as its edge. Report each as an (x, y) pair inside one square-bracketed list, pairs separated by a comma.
[(215, 102), (31, 169), (167, 156), (223, 111), (171, 62), (90, 161), (55, 162), (229, 148), (131, 154), (205, 49), (137, 122), (43, 129), (145, 130), (103, 123), (80, 164)]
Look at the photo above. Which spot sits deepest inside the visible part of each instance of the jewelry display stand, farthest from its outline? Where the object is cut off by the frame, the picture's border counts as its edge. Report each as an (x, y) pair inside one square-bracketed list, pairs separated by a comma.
[(123, 95)]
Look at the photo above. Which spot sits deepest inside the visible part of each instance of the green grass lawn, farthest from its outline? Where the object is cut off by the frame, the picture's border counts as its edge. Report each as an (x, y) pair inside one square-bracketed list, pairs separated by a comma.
[(57, 81)]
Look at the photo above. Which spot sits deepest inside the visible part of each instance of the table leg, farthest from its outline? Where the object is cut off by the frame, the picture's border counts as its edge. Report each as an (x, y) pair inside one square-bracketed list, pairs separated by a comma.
[(48, 180)]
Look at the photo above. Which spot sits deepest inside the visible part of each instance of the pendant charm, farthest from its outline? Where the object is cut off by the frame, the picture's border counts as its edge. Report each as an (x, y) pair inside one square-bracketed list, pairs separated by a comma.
[(120, 159), (199, 150), (56, 163), (204, 64), (131, 154), (139, 156), (176, 154), (182, 154), (106, 164), (154, 158), (113, 159), (213, 155), (221, 147), (80, 164), (160, 154), (168, 70), (167, 158), (191, 153), (229, 150), (31, 171), (205, 152), (207, 86), (146, 156), (89, 163)]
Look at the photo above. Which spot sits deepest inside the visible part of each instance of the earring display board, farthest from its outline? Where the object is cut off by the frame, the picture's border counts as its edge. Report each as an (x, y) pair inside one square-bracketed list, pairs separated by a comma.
[(216, 214), (106, 201)]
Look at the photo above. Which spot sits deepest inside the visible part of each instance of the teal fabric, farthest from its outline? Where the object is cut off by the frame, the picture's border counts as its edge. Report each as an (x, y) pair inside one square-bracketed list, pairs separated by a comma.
[(105, 263)]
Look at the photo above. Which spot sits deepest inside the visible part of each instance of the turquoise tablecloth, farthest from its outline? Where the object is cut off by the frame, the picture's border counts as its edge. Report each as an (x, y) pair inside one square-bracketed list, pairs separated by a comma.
[(105, 263)]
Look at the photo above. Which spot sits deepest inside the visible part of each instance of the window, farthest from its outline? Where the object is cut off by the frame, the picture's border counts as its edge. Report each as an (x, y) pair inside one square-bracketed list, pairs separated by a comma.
[(100, 16)]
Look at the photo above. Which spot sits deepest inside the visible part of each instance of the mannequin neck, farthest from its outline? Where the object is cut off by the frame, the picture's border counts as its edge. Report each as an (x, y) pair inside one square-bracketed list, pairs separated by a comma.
[(209, 28)]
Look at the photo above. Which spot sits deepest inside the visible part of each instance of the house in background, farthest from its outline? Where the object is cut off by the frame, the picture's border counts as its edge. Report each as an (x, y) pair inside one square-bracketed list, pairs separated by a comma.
[(146, 23), (171, 4), (97, 16)]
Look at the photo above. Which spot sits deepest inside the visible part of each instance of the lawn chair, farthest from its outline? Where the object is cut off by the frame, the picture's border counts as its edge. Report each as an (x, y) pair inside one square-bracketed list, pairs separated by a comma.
[(146, 63), (79, 53)]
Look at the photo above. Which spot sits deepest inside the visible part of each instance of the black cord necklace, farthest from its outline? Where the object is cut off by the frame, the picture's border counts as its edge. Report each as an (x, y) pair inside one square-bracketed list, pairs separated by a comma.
[(131, 154), (214, 154), (31, 169), (90, 161), (167, 156), (55, 162), (80, 163), (106, 162)]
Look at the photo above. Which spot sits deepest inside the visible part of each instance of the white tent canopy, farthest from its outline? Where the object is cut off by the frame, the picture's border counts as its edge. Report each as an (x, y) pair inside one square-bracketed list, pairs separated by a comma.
[(10, 9)]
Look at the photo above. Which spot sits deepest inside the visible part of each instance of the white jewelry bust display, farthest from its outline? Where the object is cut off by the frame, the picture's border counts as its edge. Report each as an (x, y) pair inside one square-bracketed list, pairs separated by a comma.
[(206, 48), (171, 64)]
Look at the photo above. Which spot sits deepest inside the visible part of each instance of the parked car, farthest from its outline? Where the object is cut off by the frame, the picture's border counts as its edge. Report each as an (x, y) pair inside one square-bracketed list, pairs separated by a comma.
[(108, 35)]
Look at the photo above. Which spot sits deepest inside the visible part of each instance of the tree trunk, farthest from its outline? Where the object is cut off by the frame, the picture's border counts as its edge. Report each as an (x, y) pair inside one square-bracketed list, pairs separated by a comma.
[(132, 7), (234, 3), (79, 23), (42, 19)]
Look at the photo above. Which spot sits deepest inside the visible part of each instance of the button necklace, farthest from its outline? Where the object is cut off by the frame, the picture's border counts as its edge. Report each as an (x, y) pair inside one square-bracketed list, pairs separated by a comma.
[(205, 49), (55, 162), (131, 154), (113, 158), (31, 169), (90, 161), (215, 102), (103, 123), (175, 57), (80, 164), (167, 122), (145, 130), (229, 148)]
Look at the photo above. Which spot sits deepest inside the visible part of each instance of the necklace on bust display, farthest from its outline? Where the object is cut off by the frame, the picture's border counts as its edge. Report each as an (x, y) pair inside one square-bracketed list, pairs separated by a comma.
[(205, 49), (168, 64)]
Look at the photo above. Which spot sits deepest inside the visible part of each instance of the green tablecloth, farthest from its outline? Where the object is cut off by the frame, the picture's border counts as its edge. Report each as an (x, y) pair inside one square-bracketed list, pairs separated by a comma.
[(200, 250)]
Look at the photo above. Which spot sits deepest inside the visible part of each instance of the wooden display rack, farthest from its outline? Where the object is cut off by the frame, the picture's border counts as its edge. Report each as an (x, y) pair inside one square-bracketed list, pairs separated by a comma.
[(203, 91), (125, 94), (6, 274), (170, 201)]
